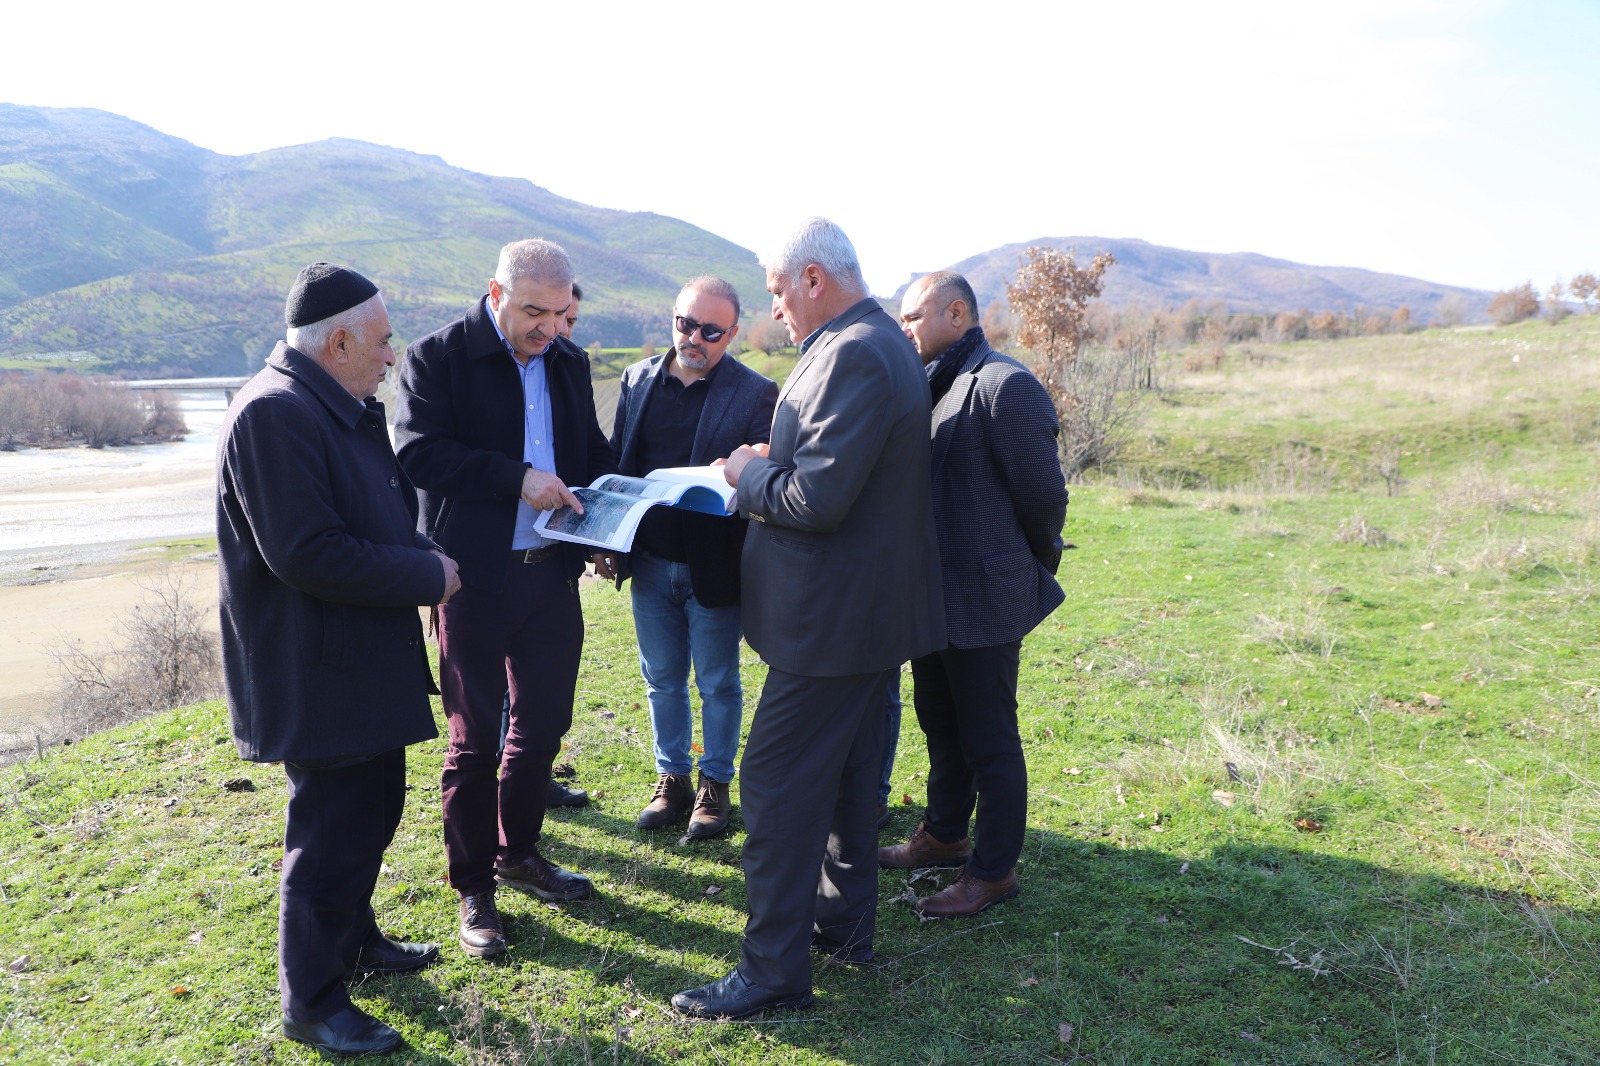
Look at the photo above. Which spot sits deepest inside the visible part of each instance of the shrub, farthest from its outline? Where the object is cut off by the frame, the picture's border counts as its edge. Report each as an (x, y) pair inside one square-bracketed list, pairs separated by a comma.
[(1514, 305)]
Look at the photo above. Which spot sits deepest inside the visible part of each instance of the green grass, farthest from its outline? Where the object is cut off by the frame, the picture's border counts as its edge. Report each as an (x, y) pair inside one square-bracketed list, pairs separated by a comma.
[(1314, 779)]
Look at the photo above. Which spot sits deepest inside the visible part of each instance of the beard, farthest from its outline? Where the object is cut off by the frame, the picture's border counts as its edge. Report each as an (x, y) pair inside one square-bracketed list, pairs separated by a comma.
[(693, 358)]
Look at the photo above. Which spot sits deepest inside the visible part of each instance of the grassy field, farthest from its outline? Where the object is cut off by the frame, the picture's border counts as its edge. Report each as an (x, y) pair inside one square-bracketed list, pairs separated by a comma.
[(1312, 755)]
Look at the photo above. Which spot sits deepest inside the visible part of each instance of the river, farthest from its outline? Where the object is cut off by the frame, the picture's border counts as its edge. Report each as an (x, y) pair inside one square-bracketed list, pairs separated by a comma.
[(60, 506)]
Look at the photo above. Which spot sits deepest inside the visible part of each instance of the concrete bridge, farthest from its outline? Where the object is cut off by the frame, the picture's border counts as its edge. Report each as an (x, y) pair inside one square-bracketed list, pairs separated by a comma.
[(227, 386)]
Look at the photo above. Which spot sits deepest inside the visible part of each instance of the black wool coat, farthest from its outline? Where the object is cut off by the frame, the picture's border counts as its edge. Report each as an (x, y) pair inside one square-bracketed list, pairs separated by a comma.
[(321, 573), (459, 428)]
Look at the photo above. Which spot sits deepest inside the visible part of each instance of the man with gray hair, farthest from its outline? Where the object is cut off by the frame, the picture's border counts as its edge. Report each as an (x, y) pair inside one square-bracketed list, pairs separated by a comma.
[(841, 585), (495, 421), (321, 573)]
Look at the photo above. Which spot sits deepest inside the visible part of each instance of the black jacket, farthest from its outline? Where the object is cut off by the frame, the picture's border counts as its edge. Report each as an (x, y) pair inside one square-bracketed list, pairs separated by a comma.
[(459, 434), (738, 410), (321, 572)]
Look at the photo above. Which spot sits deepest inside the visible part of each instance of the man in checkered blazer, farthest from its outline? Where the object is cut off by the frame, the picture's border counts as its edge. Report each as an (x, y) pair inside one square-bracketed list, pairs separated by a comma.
[(999, 501)]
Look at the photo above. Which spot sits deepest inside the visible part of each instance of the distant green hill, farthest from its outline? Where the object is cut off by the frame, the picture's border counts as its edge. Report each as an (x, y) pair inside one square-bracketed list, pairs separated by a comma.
[(152, 255)]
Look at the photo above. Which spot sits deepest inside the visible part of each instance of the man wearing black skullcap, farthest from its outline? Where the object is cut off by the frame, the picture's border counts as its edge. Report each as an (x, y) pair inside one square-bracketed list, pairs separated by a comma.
[(494, 421), (322, 572)]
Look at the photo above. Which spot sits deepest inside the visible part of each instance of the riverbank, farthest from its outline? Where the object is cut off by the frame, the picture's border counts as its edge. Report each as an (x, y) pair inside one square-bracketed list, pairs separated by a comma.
[(85, 595)]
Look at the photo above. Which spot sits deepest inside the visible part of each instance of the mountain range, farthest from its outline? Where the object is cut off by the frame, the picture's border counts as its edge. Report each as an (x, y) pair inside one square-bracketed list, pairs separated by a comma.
[(133, 250)]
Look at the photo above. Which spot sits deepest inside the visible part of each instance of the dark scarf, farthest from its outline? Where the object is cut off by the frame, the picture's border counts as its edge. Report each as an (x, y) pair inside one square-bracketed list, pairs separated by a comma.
[(943, 370)]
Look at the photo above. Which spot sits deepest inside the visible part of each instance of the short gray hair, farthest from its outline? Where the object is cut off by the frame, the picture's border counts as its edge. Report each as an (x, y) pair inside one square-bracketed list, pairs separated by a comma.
[(712, 285), (313, 337), (543, 261), (819, 241)]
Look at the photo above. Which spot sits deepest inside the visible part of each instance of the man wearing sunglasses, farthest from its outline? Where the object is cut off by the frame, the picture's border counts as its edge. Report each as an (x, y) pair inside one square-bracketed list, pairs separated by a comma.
[(689, 407)]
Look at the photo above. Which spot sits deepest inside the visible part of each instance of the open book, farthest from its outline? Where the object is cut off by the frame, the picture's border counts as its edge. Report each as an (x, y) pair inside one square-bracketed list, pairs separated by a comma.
[(613, 505)]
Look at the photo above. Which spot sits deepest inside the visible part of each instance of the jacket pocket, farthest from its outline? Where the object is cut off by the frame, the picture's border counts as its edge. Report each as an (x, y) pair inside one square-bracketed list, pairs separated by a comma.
[(1006, 562)]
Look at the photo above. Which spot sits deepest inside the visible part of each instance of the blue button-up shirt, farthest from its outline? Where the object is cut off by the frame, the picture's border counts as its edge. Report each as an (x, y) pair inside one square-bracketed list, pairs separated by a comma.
[(538, 450)]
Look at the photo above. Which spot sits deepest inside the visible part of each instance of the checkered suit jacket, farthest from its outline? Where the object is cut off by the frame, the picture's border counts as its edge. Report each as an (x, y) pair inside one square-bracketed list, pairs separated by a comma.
[(999, 501)]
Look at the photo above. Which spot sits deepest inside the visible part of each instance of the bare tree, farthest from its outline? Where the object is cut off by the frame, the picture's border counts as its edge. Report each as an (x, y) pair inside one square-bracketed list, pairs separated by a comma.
[(164, 657), (1451, 312), (1555, 307), (1400, 321)]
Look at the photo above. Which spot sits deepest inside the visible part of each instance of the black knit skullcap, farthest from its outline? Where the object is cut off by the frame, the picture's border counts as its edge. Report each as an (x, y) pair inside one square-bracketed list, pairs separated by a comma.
[(322, 290)]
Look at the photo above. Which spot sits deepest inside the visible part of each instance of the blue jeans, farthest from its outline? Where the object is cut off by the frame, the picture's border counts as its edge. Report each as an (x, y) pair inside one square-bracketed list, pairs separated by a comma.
[(672, 628), (891, 737)]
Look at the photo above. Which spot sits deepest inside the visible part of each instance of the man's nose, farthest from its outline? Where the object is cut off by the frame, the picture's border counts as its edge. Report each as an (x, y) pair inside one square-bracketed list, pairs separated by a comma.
[(777, 312)]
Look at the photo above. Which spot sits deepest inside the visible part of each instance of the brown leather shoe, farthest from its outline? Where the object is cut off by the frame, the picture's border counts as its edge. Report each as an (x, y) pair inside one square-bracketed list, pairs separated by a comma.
[(537, 876), (923, 850), (482, 932), (966, 896), (674, 793), (712, 806)]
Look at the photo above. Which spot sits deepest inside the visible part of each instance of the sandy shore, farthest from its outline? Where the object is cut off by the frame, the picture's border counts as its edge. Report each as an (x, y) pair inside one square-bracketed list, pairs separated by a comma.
[(82, 532), (85, 598)]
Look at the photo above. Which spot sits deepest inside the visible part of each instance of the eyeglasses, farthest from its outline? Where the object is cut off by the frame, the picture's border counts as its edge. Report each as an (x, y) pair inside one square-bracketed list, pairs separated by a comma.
[(709, 333)]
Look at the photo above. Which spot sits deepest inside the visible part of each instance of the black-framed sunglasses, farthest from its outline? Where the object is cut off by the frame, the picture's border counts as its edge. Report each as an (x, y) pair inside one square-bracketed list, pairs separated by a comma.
[(708, 333)]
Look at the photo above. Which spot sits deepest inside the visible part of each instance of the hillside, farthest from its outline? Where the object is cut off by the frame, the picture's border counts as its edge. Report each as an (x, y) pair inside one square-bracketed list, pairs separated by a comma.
[(188, 253), (126, 249), (1155, 276)]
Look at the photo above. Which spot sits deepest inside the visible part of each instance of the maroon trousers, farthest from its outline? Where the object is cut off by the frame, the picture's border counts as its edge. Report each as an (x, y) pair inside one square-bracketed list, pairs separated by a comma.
[(526, 637)]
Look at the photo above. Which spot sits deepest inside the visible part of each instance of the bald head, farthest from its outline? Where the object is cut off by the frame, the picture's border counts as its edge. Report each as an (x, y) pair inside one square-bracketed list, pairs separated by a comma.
[(936, 311)]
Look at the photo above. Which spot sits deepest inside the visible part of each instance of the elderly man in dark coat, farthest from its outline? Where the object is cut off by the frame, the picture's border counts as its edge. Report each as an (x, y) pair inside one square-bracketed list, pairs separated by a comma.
[(998, 503), (322, 572)]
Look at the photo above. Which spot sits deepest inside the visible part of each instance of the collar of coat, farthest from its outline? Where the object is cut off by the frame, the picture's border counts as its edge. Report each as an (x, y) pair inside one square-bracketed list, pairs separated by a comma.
[(483, 338), (293, 363)]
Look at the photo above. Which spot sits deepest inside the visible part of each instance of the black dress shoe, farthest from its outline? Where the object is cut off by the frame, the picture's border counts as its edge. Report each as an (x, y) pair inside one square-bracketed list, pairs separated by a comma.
[(546, 880), (562, 796), (393, 956), (734, 997), (847, 954), (350, 1031), (883, 815)]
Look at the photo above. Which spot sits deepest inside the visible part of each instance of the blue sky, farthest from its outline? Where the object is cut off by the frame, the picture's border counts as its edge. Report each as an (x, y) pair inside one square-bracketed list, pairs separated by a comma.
[(1452, 141)]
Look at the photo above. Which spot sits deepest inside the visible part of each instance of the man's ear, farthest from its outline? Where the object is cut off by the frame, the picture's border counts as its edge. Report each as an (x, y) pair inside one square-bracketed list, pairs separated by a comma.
[(496, 294), (960, 313), (339, 342), (812, 278)]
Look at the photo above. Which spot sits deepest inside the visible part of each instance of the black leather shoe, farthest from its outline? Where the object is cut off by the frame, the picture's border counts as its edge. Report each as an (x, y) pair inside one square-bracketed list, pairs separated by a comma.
[(546, 880), (350, 1031), (393, 956), (883, 815), (482, 932), (562, 796), (846, 954), (734, 997)]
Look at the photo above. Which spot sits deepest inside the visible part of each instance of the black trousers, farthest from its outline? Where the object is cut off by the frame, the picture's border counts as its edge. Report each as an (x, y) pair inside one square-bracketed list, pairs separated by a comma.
[(809, 796), (340, 820), (966, 702)]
